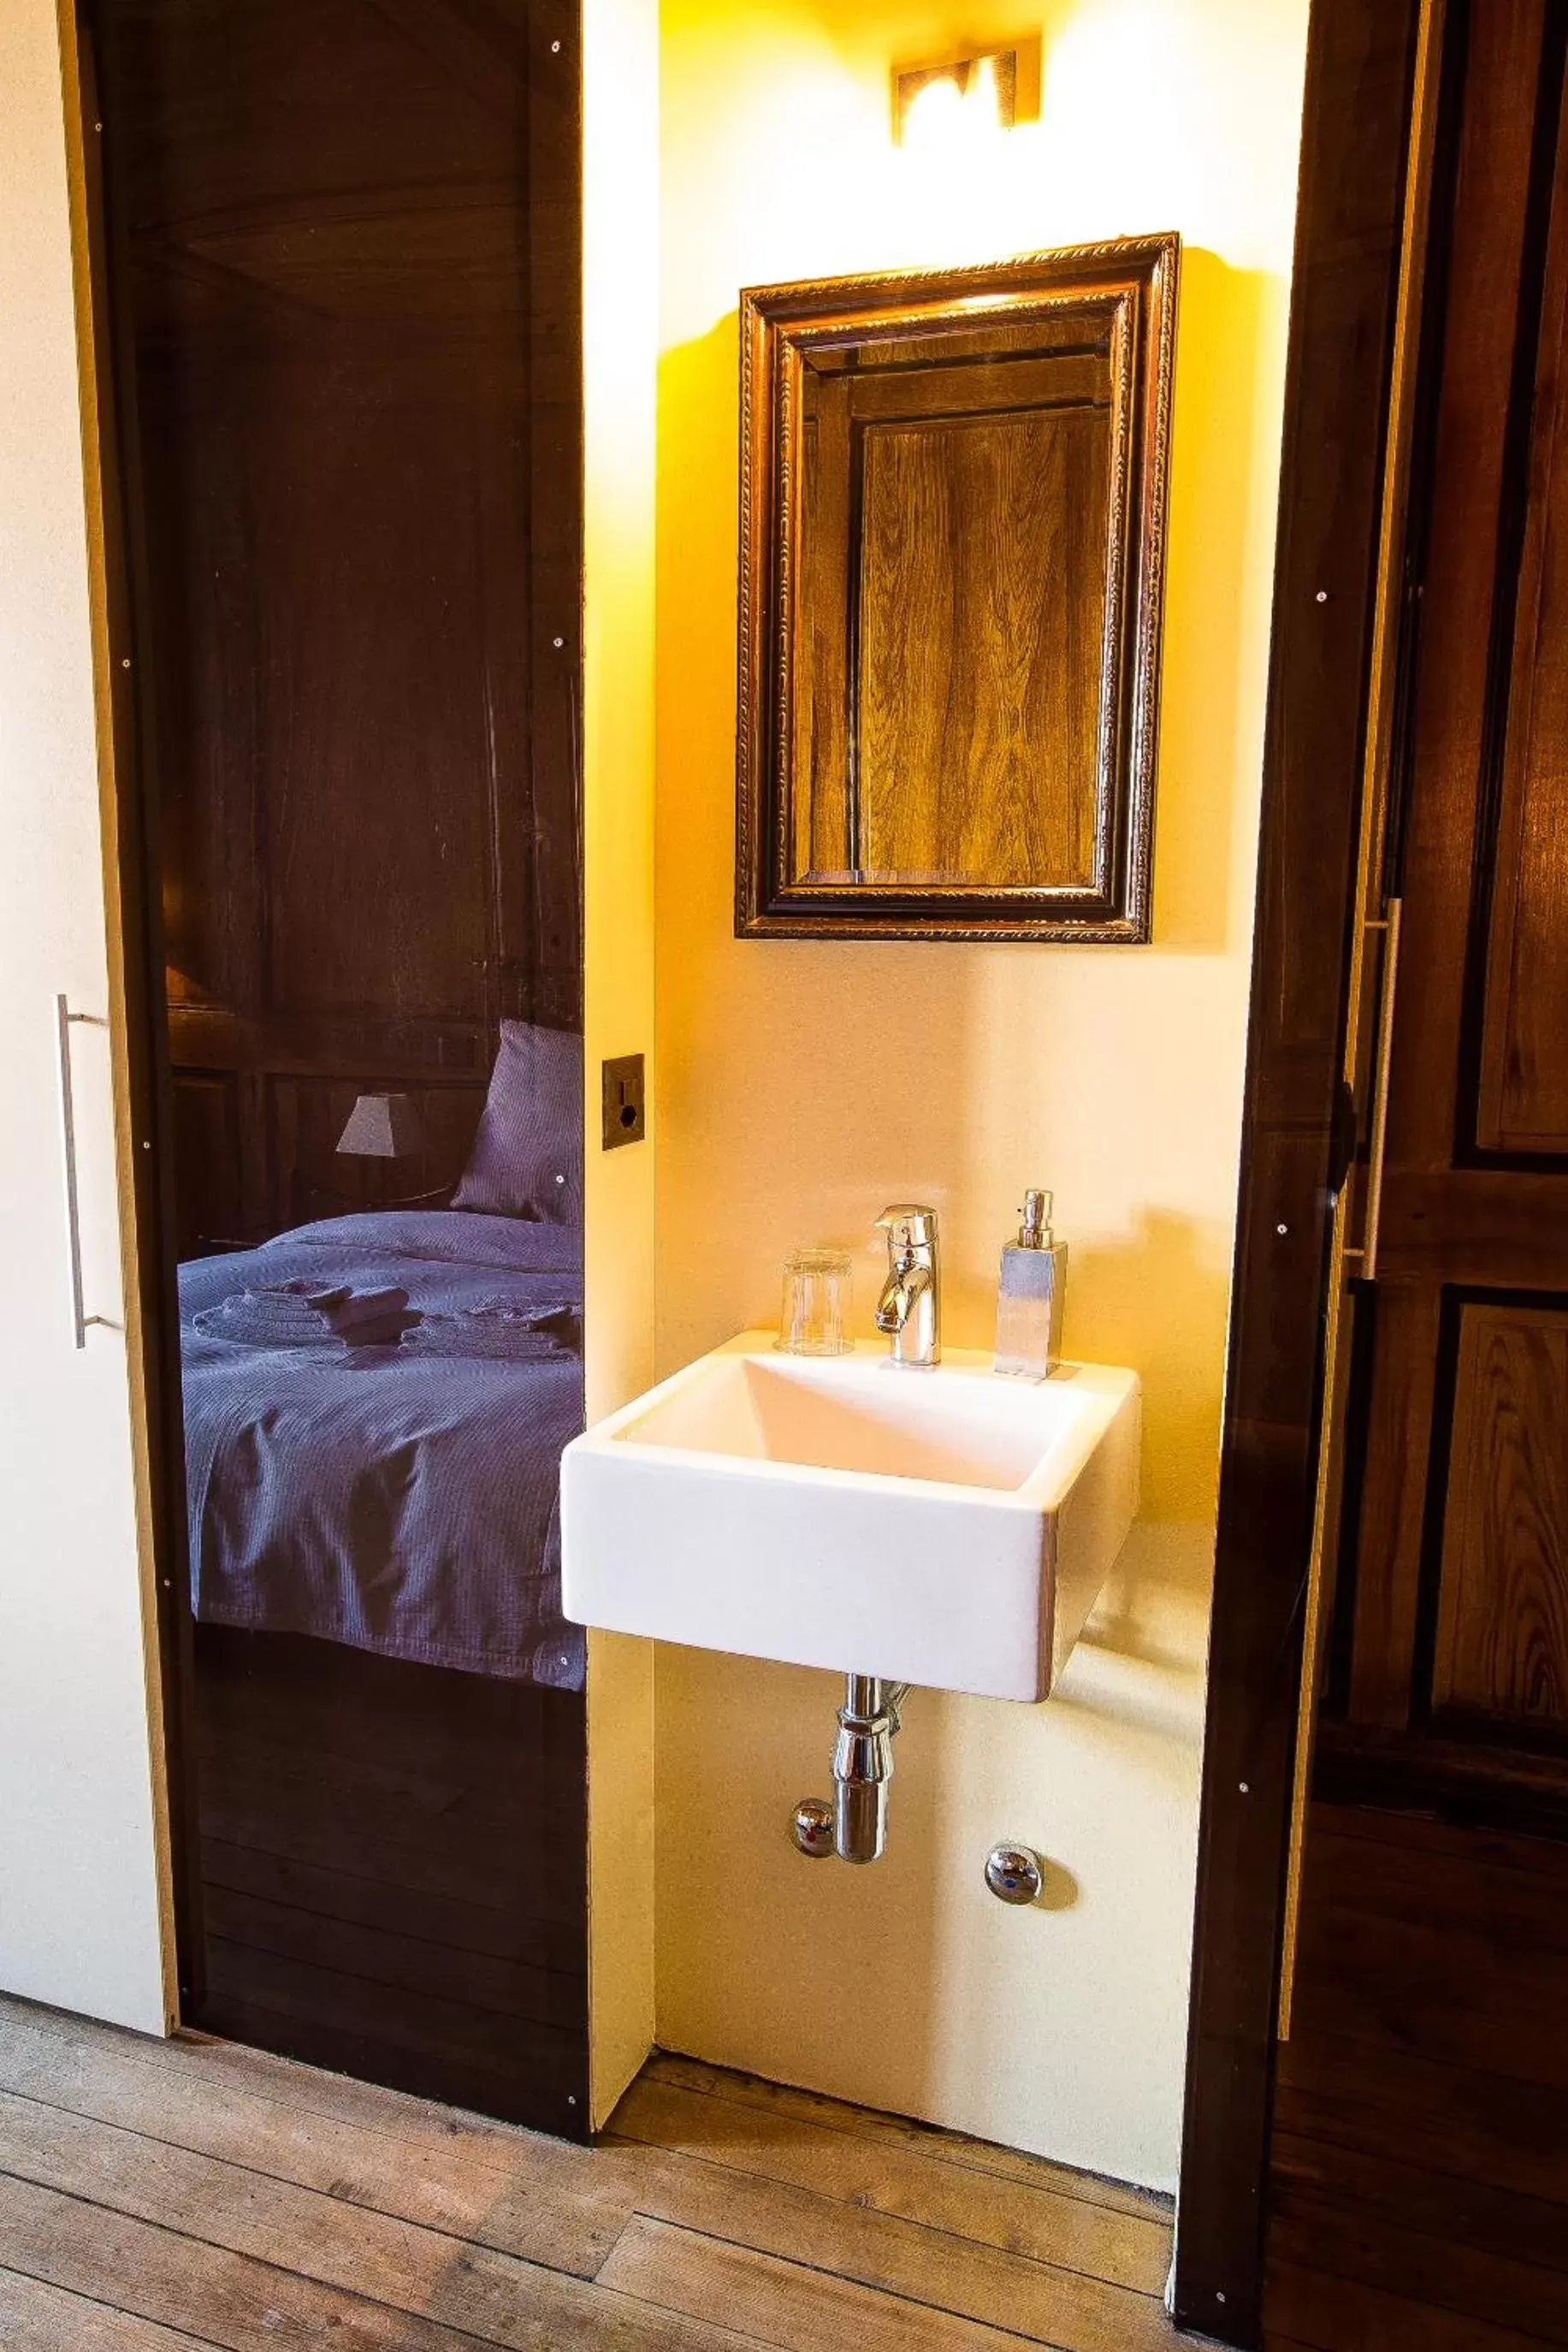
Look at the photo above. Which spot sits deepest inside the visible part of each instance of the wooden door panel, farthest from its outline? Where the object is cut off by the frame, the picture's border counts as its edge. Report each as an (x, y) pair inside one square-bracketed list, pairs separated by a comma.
[(1501, 1635), (969, 706), (209, 1197), (968, 516), (1488, 206), (1388, 1563), (1454, 1608), (1475, 1225), (1524, 1055)]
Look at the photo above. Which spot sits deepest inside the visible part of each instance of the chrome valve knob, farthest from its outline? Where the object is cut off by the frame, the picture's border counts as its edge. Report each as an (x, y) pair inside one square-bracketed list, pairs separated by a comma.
[(812, 1826), (1013, 1874)]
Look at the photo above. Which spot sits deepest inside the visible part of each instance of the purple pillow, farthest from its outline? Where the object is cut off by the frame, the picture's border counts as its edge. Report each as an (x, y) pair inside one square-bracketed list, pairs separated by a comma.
[(526, 1159)]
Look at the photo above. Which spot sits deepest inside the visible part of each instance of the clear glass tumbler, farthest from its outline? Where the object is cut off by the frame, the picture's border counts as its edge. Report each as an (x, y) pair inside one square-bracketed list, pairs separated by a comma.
[(816, 1311)]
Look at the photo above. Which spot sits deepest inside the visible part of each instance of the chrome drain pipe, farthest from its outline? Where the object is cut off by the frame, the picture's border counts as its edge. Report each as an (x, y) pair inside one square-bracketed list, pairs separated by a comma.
[(854, 1826)]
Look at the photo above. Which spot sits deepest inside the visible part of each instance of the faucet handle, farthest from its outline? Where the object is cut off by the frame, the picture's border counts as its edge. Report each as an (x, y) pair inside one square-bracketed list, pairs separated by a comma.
[(908, 1226)]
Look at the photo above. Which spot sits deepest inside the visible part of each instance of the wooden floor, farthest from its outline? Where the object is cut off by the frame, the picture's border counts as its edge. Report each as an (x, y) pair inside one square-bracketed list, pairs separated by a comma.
[(1420, 2143), (156, 2196)]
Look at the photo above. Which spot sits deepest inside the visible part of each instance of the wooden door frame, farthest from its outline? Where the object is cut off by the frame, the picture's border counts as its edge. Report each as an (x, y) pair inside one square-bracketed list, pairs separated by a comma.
[(138, 950), (1297, 1138)]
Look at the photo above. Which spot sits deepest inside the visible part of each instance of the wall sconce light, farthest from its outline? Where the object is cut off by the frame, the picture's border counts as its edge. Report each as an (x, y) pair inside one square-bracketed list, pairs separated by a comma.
[(973, 93)]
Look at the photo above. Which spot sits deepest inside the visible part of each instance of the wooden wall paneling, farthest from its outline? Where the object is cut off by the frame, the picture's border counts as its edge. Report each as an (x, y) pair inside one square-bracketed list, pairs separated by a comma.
[(555, 509), (1360, 61), (209, 1209), (374, 783), (1502, 1634), (363, 538), (307, 1115), (952, 565)]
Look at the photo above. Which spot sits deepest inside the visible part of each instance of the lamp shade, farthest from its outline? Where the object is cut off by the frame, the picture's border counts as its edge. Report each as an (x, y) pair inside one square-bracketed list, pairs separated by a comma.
[(382, 1127)]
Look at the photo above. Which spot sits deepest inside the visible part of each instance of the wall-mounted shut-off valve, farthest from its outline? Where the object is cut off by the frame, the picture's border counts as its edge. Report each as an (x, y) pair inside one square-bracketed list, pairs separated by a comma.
[(1015, 1873), (853, 1824)]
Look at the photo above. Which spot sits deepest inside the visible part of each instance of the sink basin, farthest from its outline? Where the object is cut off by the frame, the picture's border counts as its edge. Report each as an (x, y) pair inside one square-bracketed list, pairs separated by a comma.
[(941, 1526)]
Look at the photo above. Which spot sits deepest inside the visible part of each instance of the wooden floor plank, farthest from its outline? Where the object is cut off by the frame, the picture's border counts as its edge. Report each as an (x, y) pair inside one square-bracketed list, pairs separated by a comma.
[(472, 2289), (303, 2090), (541, 2199), (217, 2194), (876, 2250), (205, 2291), (1127, 2250), (785, 2304), (240, 2303), (36, 2317), (925, 2140)]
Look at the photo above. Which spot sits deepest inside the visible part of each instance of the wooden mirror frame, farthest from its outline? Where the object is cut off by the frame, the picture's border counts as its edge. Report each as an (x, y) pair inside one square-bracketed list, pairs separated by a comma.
[(1123, 298)]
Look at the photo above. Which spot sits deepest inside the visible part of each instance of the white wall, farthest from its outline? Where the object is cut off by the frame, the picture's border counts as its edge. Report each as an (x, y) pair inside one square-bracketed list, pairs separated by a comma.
[(83, 1877)]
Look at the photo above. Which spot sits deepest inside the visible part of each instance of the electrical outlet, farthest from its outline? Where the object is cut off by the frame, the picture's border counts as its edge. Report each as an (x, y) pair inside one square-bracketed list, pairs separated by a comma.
[(625, 1111)]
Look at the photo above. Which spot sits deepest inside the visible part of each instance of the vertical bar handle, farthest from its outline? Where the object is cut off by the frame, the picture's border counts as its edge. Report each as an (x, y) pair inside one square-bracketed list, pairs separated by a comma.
[(81, 1319), (1378, 1143)]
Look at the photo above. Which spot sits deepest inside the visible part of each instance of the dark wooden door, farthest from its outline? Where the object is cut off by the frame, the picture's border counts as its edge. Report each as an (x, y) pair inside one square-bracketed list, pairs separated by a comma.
[(1420, 2187), (339, 250), (1452, 1665)]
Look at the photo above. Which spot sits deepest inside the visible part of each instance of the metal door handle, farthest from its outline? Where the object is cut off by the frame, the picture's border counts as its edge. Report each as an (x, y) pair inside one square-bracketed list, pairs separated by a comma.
[(81, 1319), (1377, 1139)]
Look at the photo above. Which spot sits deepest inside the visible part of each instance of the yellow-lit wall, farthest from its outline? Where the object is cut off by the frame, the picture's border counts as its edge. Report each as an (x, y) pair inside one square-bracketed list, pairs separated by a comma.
[(621, 260), (802, 1085)]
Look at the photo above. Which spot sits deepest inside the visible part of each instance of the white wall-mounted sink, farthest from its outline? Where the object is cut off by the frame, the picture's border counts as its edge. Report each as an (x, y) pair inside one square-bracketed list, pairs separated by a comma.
[(943, 1527)]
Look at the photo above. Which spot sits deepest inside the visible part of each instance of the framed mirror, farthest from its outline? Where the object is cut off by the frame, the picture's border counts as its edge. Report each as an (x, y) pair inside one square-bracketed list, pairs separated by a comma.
[(952, 503)]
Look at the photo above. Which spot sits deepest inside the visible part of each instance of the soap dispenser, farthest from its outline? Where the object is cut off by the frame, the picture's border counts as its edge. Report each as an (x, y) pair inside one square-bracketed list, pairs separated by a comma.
[(1028, 1295)]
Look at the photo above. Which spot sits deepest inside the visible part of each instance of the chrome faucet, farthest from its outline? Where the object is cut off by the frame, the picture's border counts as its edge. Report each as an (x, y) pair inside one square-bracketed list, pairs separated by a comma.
[(910, 1307)]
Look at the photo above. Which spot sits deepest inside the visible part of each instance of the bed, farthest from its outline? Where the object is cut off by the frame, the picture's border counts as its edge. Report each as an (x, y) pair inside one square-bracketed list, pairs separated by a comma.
[(404, 1503)]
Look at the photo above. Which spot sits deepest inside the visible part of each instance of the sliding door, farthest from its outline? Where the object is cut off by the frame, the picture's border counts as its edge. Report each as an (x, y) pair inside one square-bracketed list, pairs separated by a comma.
[(341, 241), (81, 1760)]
